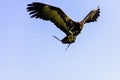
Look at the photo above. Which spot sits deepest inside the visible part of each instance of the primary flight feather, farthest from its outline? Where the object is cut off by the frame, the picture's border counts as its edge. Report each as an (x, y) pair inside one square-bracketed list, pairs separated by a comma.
[(61, 20)]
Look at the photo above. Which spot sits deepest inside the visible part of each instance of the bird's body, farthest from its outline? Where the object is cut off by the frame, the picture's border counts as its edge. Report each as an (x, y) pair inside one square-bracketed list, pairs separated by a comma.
[(61, 20)]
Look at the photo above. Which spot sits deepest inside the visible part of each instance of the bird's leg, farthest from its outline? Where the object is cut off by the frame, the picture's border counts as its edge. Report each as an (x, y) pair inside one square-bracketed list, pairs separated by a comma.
[(70, 32), (61, 41), (57, 38), (67, 47)]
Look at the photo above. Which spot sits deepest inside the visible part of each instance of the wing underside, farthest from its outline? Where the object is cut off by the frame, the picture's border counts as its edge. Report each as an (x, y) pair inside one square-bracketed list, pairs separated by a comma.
[(92, 16), (50, 13)]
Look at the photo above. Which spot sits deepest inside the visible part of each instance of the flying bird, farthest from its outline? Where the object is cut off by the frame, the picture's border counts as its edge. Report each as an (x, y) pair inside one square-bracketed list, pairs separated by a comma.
[(61, 20)]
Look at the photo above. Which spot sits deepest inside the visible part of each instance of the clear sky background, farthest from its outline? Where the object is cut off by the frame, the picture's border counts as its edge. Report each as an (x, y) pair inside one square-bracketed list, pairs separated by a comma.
[(29, 52)]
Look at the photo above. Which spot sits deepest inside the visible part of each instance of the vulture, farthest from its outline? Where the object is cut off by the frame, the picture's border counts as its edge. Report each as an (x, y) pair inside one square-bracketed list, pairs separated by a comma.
[(61, 20)]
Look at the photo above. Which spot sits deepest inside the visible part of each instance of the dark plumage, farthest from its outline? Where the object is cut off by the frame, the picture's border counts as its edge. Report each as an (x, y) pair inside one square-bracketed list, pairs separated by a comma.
[(61, 20)]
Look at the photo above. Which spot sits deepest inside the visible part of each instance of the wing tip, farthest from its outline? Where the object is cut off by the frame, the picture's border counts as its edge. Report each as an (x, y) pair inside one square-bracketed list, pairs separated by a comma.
[(98, 8)]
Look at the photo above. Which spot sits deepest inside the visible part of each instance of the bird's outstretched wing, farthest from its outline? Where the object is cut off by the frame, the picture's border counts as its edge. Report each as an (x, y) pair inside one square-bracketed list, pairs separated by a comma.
[(51, 13), (92, 16)]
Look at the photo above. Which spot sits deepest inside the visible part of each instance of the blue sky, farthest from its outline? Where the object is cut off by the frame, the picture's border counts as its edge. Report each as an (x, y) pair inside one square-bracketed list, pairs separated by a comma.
[(29, 52)]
